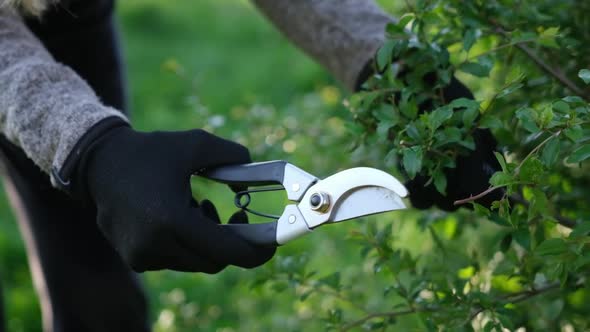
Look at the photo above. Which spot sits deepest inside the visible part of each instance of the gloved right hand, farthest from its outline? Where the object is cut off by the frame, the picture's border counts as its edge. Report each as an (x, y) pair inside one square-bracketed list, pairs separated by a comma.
[(139, 183)]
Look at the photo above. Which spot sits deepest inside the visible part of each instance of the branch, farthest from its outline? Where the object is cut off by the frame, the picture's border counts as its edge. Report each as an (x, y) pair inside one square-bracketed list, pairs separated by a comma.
[(513, 298), (535, 150), (563, 221), (554, 72), (525, 295), (516, 171), (389, 314), (476, 197), (551, 70)]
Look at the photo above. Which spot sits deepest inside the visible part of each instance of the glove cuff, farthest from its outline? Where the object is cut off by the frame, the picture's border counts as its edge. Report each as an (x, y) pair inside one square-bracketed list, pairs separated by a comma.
[(66, 178)]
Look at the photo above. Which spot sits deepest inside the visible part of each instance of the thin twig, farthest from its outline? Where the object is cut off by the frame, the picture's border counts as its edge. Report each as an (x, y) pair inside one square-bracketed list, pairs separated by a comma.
[(551, 70), (389, 314), (478, 196), (513, 298), (516, 171), (535, 150), (497, 48), (563, 221), (554, 72)]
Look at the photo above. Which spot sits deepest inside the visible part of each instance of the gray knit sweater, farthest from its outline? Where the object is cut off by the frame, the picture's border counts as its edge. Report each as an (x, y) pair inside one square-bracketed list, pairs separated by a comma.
[(45, 107)]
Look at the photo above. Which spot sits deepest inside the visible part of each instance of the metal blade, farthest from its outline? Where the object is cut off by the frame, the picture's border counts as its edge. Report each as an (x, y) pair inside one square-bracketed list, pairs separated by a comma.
[(365, 201), (352, 193)]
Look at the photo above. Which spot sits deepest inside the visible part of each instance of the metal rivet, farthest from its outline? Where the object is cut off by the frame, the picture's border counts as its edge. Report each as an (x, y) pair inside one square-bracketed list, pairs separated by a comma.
[(320, 202), (296, 187), (292, 219)]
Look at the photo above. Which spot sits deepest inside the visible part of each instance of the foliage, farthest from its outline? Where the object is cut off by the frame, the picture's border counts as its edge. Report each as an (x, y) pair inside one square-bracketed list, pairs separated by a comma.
[(525, 61), (524, 263)]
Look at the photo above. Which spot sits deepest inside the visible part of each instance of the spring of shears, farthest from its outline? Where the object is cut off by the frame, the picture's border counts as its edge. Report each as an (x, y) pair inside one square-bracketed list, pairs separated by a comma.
[(243, 199)]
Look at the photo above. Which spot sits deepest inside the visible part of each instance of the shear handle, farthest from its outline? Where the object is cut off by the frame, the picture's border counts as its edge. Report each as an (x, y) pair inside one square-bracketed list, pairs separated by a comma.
[(254, 174), (290, 225), (259, 234)]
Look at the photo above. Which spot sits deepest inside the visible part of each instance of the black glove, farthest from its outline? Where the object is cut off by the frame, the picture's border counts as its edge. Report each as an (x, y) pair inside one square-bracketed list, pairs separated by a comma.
[(139, 183), (472, 172)]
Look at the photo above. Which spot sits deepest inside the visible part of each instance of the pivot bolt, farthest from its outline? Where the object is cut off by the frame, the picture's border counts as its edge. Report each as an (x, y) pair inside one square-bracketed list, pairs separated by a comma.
[(320, 202)]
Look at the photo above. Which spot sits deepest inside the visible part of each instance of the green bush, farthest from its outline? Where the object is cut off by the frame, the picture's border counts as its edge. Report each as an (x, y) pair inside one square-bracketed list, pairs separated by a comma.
[(524, 263)]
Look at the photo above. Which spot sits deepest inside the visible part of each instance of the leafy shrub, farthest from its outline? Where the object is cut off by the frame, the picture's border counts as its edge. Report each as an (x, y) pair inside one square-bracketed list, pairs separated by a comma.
[(523, 263)]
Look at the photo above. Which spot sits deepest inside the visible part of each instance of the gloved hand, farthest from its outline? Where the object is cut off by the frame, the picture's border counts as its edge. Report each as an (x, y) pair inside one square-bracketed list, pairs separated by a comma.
[(139, 183), (471, 174)]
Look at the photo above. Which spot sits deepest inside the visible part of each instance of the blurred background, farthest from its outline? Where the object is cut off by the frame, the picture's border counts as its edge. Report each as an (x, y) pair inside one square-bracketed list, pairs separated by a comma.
[(219, 65)]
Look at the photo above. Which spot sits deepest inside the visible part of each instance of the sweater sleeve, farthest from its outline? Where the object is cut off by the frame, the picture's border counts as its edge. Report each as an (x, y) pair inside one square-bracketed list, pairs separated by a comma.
[(342, 35), (45, 107)]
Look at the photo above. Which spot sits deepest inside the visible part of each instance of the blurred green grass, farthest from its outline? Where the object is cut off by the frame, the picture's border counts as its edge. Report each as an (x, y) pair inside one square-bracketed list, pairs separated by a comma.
[(220, 65)]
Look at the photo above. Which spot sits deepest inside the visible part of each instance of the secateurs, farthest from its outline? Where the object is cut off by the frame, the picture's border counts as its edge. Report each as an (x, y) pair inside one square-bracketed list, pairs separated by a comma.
[(345, 195)]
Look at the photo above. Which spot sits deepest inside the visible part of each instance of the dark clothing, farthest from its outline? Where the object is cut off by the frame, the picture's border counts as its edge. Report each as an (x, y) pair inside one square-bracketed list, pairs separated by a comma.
[(85, 284)]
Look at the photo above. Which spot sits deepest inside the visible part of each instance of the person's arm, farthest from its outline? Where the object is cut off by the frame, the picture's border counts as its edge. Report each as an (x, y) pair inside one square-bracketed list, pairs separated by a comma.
[(139, 183), (45, 107), (342, 35)]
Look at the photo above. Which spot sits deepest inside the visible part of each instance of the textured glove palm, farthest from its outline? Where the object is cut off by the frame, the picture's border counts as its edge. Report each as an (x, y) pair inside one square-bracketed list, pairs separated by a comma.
[(140, 185)]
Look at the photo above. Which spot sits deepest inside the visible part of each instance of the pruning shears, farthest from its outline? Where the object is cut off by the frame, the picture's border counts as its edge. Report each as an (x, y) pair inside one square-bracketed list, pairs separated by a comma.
[(345, 195)]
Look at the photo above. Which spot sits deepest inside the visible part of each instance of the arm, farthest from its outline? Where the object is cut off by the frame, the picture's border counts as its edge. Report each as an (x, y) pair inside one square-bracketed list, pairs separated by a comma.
[(342, 35), (45, 107), (138, 183)]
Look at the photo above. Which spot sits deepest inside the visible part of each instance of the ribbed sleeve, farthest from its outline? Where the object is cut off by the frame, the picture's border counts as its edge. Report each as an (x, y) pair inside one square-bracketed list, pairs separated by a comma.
[(45, 107), (342, 35)]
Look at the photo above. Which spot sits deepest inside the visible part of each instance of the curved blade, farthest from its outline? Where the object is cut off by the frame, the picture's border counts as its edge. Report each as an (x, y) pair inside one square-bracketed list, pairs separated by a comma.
[(366, 201), (353, 193)]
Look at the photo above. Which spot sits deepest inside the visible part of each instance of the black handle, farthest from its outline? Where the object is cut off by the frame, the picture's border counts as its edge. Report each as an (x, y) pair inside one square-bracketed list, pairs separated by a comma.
[(254, 174), (259, 234)]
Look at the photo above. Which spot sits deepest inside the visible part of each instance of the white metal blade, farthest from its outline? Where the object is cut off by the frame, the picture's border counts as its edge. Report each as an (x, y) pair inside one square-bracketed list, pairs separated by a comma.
[(366, 201), (353, 193)]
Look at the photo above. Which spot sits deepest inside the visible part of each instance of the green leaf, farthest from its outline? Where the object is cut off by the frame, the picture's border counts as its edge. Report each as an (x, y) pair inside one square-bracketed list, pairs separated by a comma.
[(383, 129), (440, 182), (475, 69), (405, 19), (464, 103), (501, 160), (407, 104), (412, 160), (544, 119), (539, 204), (490, 121), (469, 116), (582, 229), (520, 36), (548, 37), (574, 133), (480, 209), (437, 117), (561, 106), (384, 54), (414, 132), (508, 90), (528, 117), (501, 179), (446, 136), (584, 74), (332, 280), (550, 152), (551, 247), (531, 171), (469, 39), (580, 154)]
